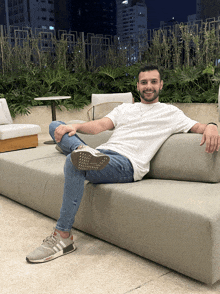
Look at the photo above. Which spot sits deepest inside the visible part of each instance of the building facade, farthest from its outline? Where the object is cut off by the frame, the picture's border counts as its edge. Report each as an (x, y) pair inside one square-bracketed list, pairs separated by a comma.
[(97, 17), (131, 19), (207, 9), (30, 13)]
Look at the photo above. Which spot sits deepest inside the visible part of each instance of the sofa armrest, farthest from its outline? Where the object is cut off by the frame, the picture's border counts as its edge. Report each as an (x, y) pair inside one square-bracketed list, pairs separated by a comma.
[(182, 158)]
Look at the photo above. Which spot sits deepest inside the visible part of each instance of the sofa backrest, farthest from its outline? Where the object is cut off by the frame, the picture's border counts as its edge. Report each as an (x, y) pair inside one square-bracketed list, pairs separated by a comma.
[(180, 158), (95, 140)]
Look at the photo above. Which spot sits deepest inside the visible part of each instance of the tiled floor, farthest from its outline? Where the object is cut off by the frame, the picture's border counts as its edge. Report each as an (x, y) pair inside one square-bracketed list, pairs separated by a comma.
[(95, 267)]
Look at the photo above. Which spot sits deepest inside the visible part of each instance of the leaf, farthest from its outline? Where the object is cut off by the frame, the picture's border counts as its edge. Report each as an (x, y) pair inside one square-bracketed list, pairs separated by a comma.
[(113, 73), (216, 78), (209, 70), (187, 98), (189, 75)]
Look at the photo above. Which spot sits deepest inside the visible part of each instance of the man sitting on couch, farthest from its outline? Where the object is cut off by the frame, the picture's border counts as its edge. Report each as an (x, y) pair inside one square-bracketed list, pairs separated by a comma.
[(140, 129)]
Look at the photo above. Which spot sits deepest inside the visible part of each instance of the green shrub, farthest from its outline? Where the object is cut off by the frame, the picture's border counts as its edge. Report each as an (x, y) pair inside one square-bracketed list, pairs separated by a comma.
[(28, 70)]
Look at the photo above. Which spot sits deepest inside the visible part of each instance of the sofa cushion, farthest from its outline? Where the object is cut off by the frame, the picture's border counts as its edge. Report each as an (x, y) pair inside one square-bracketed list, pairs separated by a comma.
[(174, 223), (182, 158), (76, 121)]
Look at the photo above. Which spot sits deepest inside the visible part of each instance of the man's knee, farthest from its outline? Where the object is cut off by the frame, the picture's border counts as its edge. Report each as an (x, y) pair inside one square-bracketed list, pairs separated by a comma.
[(70, 167), (53, 125)]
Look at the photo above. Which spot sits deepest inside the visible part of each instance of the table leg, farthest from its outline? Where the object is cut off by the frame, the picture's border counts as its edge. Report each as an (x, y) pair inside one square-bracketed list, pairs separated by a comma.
[(53, 109)]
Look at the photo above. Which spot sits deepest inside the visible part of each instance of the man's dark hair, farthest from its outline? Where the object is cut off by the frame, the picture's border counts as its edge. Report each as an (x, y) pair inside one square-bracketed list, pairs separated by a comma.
[(149, 67)]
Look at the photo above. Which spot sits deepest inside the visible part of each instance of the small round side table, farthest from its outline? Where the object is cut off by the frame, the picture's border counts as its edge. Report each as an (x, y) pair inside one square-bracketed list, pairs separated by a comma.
[(53, 105), (53, 108)]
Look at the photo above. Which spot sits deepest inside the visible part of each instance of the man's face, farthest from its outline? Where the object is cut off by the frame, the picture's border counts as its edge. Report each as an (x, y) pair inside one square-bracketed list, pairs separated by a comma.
[(149, 85)]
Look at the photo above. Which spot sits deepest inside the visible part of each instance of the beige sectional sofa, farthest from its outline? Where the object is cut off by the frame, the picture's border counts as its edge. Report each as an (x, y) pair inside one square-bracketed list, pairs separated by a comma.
[(171, 217)]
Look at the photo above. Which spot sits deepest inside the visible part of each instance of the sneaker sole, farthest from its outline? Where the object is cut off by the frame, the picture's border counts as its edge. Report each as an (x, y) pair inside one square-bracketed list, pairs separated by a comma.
[(63, 252), (84, 160)]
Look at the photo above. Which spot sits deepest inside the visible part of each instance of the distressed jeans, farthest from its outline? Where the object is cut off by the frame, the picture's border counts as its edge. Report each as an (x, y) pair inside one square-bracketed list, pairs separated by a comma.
[(118, 170)]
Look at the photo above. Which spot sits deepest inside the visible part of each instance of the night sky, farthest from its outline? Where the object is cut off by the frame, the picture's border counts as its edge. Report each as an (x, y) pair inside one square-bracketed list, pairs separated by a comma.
[(159, 10)]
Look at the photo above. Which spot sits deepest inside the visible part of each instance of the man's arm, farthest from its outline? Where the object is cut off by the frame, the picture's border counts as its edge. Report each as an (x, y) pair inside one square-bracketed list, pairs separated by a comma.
[(210, 136), (92, 127), (95, 126)]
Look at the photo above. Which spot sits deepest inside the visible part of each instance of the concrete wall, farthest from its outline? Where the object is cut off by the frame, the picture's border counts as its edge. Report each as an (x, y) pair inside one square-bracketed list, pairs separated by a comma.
[(41, 115)]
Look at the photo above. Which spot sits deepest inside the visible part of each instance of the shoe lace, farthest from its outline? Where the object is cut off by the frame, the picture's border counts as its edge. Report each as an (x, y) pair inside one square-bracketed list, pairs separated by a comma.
[(50, 240)]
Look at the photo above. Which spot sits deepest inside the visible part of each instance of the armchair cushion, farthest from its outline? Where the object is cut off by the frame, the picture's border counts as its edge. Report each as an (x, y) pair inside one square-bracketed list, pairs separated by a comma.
[(18, 130)]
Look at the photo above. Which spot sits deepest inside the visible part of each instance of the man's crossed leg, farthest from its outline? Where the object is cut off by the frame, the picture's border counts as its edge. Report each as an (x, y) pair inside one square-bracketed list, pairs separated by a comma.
[(82, 163)]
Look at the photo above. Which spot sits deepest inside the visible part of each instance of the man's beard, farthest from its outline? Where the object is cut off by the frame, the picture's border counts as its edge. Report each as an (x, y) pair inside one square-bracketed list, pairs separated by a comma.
[(155, 96)]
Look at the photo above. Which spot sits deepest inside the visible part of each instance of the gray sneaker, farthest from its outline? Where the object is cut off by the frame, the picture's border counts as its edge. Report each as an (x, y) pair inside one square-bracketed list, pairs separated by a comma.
[(59, 149), (52, 247), (87, 158)]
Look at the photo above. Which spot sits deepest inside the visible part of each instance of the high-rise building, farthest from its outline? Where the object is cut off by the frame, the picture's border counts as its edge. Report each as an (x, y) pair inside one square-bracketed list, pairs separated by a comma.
[(97, 17), (131, 19), (207, 9), (29, 13), (2, 13), (170, 23)]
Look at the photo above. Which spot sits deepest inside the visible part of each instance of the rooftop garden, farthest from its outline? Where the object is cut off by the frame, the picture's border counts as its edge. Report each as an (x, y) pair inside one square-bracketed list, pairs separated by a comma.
[(187, 60)]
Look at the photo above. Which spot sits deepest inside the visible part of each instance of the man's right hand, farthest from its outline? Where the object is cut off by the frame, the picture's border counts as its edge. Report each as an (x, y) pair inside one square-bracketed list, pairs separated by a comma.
[(62, 130), (92, 127)]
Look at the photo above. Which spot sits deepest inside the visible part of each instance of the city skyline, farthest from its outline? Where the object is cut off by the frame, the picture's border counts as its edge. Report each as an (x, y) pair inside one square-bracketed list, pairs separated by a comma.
[(160, 10)]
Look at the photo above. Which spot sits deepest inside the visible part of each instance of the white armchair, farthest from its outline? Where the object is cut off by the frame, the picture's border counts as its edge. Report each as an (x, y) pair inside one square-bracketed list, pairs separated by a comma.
[(102, 104), (15, 136)]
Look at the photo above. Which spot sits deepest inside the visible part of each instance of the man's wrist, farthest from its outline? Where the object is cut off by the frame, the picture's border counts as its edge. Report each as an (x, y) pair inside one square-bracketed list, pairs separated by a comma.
[(74, 127), (212, 123)]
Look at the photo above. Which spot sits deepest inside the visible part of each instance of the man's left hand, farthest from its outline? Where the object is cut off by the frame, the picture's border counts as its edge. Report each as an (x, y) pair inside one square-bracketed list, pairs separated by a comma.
[(211, 138)]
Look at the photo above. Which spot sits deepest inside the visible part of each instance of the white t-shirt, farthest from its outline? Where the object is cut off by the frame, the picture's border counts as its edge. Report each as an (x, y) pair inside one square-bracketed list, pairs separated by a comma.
[(140, 130)]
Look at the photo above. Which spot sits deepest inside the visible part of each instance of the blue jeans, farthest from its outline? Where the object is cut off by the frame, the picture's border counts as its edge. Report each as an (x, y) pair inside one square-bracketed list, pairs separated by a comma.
[(118, 170)]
